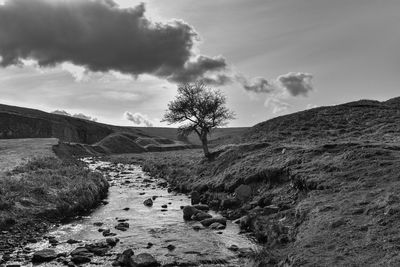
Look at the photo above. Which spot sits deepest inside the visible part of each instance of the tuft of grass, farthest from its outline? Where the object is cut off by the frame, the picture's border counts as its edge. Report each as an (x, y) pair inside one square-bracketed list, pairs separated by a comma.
[(264, 257)]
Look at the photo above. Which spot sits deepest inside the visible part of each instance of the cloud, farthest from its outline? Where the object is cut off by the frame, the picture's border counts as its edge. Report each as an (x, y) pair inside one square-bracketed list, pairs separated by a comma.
[(296, 84), (138, 119), (77, 72), (293, 84), (101, 37), (77, 115), (256, 85), (311, 106), (84, 117), (276, 105), (196, 69), (61, 112)]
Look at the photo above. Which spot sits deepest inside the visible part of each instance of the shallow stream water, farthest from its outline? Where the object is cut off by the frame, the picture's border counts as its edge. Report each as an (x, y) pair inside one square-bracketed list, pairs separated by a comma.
[(129, 187)]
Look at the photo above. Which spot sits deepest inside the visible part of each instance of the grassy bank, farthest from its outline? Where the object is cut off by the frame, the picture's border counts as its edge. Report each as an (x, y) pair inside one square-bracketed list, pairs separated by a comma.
[(48, 188), (333, 203), (41, 192)]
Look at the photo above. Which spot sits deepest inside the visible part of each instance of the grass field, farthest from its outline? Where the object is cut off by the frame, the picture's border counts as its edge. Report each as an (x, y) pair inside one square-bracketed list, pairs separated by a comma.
[(14, 152)]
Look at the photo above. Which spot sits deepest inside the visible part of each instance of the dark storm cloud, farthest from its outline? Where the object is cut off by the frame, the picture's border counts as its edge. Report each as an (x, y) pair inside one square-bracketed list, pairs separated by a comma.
[(138, 119), (296, 83), (100, 36), (198, 67)]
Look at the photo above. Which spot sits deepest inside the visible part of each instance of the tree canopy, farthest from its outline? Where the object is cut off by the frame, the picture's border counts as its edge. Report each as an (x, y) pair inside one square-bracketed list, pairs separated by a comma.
[(199, 109)]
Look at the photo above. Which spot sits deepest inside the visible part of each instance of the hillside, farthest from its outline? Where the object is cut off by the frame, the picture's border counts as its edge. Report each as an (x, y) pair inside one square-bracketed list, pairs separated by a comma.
[(359, 120), (324, 184), (79, 136)]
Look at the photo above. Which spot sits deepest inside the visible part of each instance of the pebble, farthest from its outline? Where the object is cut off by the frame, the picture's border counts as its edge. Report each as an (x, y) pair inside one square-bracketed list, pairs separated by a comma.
[(148, 202), (171, 247)]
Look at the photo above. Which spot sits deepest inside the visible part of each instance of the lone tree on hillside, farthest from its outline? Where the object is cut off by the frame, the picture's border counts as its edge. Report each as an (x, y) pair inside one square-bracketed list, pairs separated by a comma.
[(200, 108)]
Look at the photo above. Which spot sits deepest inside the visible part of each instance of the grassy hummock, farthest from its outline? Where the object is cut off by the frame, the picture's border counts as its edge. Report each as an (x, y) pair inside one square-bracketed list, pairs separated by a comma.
[(50, 189)]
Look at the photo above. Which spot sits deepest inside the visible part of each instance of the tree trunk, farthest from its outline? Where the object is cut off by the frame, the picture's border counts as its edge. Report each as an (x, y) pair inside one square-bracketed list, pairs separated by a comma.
[(205, 146)]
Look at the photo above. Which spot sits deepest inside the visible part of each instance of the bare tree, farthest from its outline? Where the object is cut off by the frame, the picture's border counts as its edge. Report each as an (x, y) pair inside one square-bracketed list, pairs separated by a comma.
[(200, 109)]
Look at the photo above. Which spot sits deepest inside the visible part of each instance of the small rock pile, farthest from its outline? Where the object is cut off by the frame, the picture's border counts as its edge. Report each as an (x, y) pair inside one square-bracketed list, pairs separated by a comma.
[(199, 213)]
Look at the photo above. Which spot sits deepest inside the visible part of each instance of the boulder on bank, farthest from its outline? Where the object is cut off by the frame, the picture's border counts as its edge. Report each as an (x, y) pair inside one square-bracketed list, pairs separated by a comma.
[(44, 255), (230, 203), (188, 212), (217, 226), (201, 215), (81, 255), (202, 207), (195, 197), (125, 259), (218, 219), (145, 260), (112, 241), (99, 248), (198, 226), (79, 259)]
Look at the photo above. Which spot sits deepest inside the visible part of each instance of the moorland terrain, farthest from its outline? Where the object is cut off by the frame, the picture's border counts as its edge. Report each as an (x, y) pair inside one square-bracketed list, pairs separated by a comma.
[(319, 187)]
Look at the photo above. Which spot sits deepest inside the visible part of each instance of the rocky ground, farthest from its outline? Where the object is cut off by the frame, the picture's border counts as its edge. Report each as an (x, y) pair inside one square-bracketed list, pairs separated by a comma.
[(317, 188)]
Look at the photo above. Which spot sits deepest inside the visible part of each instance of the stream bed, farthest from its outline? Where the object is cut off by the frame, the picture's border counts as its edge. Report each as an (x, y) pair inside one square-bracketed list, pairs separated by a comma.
[(159, 231)]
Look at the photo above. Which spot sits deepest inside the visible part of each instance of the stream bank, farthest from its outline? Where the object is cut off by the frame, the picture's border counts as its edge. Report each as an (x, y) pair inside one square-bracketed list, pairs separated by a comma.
[(125, 223)]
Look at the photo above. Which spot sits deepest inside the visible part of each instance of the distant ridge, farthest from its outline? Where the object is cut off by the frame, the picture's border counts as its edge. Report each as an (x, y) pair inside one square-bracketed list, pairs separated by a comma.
[(95, 137)]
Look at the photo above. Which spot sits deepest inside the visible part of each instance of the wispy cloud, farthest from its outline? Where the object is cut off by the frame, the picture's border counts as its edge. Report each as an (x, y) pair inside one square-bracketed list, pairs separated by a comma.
[(138, 119), (76, 115), (278, 90), (276, 105), (296, 83), (256, 85)]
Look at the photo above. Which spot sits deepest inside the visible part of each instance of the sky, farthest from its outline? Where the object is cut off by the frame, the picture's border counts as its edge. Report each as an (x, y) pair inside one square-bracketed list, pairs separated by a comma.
[(121, 61)]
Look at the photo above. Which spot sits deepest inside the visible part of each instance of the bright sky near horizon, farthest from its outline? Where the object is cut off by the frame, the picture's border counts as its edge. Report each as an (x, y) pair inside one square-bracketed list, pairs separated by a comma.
[(269, 57)]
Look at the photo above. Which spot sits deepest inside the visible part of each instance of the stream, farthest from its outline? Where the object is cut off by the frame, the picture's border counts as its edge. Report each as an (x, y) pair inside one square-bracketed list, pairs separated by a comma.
[(151, 229)]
